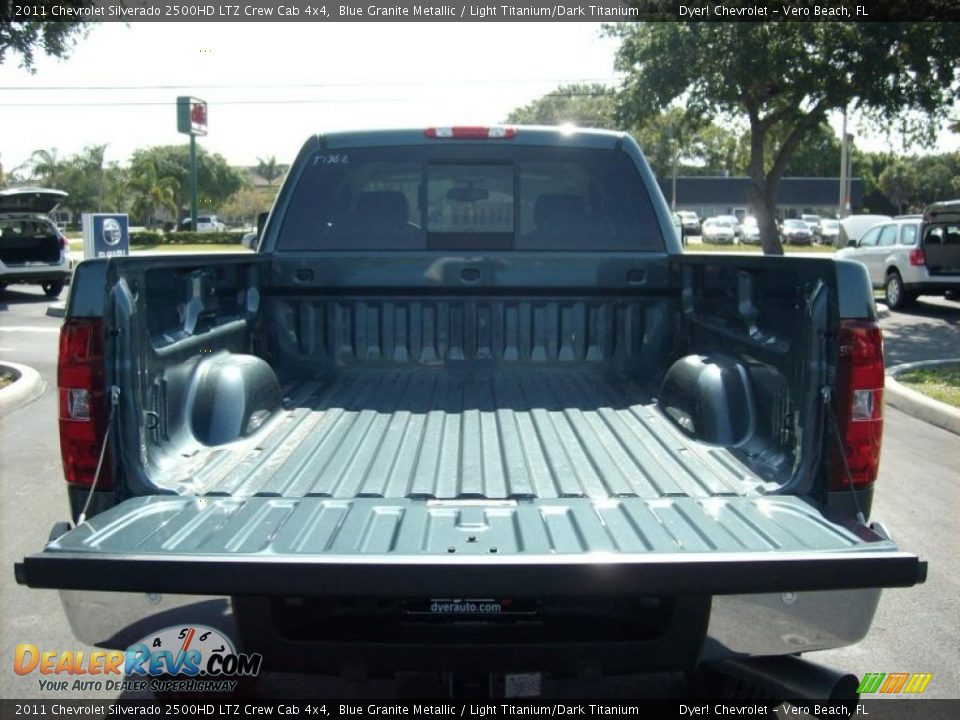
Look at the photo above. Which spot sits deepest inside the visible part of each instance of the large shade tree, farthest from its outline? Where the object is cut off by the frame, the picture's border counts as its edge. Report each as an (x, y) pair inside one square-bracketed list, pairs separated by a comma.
[(53, 37), (216, 180), (899, 182), (700, 147), (152, 191), (786, 78), (582, 104)]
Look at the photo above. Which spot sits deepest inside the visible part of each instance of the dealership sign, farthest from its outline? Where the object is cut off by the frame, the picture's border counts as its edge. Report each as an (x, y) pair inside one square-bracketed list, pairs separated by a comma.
[(105, 235)]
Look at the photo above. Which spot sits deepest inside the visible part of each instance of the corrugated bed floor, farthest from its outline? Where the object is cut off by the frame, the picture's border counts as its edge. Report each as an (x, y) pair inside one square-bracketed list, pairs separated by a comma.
[(440, 434)]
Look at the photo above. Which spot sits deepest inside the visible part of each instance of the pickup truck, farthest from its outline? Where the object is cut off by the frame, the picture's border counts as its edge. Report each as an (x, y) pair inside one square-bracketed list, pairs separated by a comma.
[(470, 408)]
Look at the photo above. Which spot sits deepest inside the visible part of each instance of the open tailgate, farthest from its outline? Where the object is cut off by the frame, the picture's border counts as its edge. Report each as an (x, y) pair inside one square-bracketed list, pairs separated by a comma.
[(417, 547)]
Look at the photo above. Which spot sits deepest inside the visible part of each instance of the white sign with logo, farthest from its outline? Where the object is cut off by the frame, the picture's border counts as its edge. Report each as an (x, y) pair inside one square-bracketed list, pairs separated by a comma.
[(105, 235)]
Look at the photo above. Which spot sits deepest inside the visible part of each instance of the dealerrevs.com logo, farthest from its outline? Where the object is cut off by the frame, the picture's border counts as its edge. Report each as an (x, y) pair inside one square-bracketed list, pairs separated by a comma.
[(192, 658), (894, 683)]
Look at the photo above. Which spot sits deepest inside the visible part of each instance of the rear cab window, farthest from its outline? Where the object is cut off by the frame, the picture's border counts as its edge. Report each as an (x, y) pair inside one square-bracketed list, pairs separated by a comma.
[(470, 198)]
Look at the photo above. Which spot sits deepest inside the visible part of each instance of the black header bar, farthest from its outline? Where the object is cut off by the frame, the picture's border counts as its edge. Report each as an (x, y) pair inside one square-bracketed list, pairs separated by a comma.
[(491, 11), (220, 705)]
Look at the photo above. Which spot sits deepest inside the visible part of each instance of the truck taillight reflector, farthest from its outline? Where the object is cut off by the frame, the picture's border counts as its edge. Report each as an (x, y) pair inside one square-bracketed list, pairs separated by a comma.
[(917, 257), (83, 407), (859, 404), (472, 133)]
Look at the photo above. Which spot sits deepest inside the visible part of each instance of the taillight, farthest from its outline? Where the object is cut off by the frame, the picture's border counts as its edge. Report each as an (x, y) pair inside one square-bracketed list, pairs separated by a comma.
[(472, 133), (64, 243), (917, 257), (83, 401), (859, 404)]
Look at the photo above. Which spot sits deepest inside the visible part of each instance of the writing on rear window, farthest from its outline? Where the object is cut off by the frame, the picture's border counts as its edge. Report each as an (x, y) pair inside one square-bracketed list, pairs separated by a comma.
[(334, 159)]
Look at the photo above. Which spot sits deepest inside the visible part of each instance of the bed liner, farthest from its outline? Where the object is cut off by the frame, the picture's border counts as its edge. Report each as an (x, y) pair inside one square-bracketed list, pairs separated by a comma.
[(439, 433)]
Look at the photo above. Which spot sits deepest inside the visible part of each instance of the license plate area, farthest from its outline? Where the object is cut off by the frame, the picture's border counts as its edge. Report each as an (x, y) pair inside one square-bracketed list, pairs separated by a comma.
[(476, 620), (471, 609)]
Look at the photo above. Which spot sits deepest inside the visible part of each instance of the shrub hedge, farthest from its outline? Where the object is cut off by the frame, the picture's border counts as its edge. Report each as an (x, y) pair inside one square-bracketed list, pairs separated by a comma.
[(149, 237)]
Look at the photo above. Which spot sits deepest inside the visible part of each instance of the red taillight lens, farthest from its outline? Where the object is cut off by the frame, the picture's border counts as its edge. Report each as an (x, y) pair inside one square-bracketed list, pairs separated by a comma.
[(471, 133), (83, 407), (917, 257), (64, 243), (859, 404)]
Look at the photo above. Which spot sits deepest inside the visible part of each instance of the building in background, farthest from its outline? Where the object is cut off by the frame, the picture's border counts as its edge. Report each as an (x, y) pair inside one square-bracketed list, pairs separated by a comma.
[(709, 196)]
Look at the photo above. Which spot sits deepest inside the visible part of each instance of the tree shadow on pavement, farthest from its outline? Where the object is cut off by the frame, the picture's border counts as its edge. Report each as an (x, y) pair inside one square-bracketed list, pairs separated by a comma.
[(10, 297), (923, 331)]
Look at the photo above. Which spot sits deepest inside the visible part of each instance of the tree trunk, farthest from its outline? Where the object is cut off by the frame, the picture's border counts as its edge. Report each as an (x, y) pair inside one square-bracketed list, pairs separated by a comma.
[(764, 210), (763, 195)]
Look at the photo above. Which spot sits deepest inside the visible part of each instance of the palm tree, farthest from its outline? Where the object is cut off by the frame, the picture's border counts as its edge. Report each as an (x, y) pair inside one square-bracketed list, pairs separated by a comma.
[(153, 192), (117, 187), (269, 169), (46, 165), (92, 161)]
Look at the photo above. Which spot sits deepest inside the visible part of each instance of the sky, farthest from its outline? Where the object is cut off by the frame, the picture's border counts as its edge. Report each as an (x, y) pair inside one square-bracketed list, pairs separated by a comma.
[(326, 77), (270, 85)]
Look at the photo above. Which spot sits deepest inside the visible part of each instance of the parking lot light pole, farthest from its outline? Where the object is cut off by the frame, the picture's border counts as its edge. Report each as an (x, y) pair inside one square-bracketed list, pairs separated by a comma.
[(673, 191), (842, 202), (193, 183), (848, 190), (192, 121)]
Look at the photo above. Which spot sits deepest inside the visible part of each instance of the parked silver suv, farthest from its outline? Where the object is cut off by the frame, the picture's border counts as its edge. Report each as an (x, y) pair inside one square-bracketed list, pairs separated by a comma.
[(32, 248), (913, 255)]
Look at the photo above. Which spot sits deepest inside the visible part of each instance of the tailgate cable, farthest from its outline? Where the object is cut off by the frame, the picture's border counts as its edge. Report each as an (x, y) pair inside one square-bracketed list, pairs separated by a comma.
[(826, 394), (114, 401)]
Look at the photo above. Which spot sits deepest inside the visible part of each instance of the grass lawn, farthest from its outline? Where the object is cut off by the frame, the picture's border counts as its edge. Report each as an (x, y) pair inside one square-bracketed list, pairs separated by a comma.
[(77, 246), (187, 248), (718, 247), (6, 378), (941, 383)]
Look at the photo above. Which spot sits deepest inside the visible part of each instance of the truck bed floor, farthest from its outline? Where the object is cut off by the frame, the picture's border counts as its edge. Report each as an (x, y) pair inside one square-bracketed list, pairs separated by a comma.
[(486, 435)]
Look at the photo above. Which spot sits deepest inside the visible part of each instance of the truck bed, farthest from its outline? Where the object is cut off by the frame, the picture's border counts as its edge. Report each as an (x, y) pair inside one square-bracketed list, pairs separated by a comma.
[(439, 433)]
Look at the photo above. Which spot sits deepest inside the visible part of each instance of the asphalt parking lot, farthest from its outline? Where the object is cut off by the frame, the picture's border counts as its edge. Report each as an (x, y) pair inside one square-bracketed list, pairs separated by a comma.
[(918, 495)]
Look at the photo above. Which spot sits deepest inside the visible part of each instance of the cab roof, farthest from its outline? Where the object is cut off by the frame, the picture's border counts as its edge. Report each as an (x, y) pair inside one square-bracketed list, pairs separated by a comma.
[(528, 135)]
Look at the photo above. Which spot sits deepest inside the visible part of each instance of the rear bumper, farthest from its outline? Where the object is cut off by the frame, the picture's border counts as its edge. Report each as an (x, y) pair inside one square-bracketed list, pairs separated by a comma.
[(933, 287), (695, 630), (26, 274)]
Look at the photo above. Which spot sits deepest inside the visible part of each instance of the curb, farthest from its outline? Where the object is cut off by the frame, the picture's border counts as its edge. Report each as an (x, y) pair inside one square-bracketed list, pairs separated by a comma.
[(918, 404), (58, 309), (882, 310), (27, 387)]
